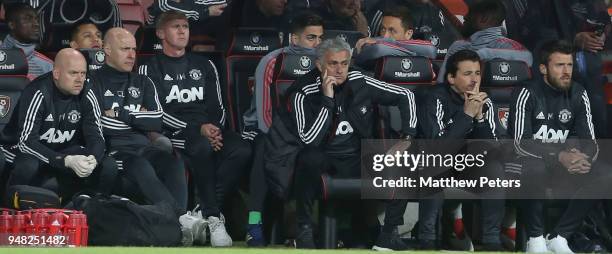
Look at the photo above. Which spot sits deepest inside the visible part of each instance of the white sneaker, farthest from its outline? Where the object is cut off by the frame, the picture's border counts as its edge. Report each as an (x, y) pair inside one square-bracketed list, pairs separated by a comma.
[(199, 237), (218, 234), (536, 245), (191, 228), (559, 245)]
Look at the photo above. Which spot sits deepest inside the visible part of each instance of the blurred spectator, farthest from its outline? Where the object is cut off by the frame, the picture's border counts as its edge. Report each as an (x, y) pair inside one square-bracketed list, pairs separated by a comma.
[(195, 10), (25, 34), (344, 15), (483, 30), (585, 22), (86, 35), (264, 13), (427, 17), (395, 39), (104, 13)]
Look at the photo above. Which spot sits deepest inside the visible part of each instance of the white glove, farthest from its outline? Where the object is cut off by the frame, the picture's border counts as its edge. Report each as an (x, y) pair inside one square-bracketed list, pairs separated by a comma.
[(79, 164)]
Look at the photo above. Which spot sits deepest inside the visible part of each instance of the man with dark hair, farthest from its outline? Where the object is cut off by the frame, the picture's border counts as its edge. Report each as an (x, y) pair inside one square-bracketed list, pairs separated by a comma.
[(483, 32), (24, 34), (58, 131), (344, 15), (457, 110), (306, 34), (194, 119), (395, 39), (330, 112), (85, 35), (545, 114)]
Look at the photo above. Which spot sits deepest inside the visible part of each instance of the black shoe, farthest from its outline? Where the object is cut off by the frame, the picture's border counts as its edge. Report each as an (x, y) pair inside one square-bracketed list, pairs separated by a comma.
[(492, 247), (304, 239), (427, 244), (389, 241)]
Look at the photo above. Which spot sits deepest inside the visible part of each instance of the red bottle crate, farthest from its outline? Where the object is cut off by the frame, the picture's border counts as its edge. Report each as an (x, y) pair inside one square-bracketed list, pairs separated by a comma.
[(43, 228)]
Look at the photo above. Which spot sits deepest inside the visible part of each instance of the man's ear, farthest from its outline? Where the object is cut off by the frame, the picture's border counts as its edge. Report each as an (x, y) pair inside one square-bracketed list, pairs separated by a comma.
[(56, 73), (451, 78), (11, 25), (408, 34), (160, 34), (319, 66), (74, 45), (293, 39), (543, 69)]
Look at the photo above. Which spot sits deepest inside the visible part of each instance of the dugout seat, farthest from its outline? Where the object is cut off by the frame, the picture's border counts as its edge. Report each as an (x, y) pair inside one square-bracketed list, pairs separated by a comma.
[(247, 47), (498, 80), (13, 79), (414, 73), (95, 58), (349, 36)]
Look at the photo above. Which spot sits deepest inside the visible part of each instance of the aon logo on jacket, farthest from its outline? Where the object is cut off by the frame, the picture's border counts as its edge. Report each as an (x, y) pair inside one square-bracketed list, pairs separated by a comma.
[(57, 136), (550, 135), (185, 95)]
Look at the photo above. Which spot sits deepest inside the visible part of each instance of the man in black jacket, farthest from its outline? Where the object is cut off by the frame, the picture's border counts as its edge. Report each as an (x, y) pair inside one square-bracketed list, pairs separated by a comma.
[(545, 116), (131, 108), (58, 131), (454, 111), (194, 119), (333, 110)]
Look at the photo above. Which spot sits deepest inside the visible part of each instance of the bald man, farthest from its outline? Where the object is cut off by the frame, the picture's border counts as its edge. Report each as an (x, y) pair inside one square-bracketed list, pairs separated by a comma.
[(130, 109), (58, 133)]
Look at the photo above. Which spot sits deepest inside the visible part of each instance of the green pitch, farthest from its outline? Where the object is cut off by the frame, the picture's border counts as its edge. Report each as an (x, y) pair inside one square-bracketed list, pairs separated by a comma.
[(198, 250)]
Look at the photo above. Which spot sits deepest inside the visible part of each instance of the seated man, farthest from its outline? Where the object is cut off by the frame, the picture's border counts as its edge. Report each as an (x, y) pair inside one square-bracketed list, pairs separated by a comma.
[(545, 113), (131, 108), (395, 39), (344, 15), (306, 34), (457, 110), (193, 10), (25, 34), (59, 133), (483, 28), (332, 111), (195, 123), (85, 35)]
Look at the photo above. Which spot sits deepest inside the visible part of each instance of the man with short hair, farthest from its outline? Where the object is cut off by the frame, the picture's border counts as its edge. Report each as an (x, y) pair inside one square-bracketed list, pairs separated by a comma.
[(306, 34), (331, 111), (24, 34), (58, 131), (458, 110), (483, 32), (344, 15), (395, 39), (131, 108), (545, 114), (194, 120), (85, 35)]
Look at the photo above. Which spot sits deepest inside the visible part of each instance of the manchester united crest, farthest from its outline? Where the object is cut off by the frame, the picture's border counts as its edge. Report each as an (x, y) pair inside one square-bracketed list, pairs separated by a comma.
[(134, 92), (195, 74), (73, 116)]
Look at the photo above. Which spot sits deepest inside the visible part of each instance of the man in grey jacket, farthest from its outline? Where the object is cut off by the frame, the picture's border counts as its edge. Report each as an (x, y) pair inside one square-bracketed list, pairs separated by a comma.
[(306, 34), (24, 34)]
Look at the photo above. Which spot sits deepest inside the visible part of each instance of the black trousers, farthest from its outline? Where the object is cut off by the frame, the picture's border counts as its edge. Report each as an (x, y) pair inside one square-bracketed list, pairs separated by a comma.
[(152, 175), (311, 163), (536, 177), (258, 187), (430, 208), (215, 174), (29, 170)]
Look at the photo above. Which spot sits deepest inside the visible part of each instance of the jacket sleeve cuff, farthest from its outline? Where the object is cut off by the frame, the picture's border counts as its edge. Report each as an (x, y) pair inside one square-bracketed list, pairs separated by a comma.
[(125, 116), (58, 161), (328, 102)]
